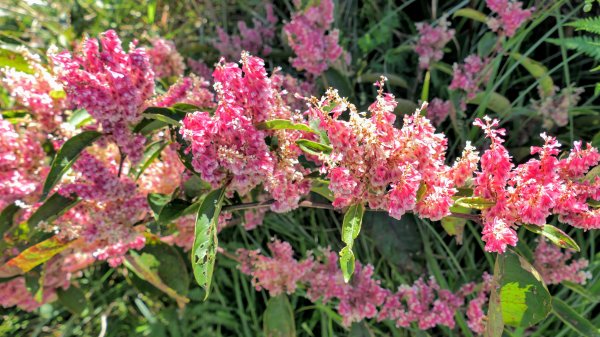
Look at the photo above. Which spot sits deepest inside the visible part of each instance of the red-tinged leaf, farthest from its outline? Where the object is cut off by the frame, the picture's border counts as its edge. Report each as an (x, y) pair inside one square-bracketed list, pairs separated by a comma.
[(33, 256)]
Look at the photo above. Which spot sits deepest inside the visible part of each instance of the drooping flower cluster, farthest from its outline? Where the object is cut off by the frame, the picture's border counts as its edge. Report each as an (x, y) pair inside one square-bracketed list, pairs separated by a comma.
[(256, 40), (476, 317), (228, 148), (294, 90), (111, 85), (23, 166), (469, 76), (361, 298), (431, 42), (510, 15), (311, 38), (39, 91), (555, 267), (165, 59), (398, 170), (199, 68), (554, 106), (532, 191)]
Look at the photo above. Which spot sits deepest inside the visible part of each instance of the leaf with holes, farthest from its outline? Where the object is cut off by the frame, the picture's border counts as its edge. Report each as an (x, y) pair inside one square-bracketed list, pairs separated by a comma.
[(204, 249), (278, 318)]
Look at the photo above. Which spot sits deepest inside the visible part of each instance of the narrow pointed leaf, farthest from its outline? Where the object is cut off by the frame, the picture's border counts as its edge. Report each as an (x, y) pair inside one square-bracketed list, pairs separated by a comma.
[(167, 115), (472, 14), (51, 209), (66, 156), (555, 235), (283, 124), (204, 249), (347, 263), (312, 147), (571, 318), (537, 70), (495, 102), (474, 203), (33, 257), (352, 223)]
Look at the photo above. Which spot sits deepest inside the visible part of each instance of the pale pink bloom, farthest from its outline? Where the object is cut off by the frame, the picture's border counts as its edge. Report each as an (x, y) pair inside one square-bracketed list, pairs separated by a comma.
[(39, 92), (165, 59), (111, 85), (555, 267), (470, 75), (554, 107), (192, 90), (438, 110), (431, 42), (199, 68), (256, 40), (312, 38), (510, 15)]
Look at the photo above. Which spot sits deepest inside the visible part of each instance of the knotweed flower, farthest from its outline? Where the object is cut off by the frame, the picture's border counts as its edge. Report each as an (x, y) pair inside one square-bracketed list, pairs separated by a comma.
[(431, 42), (510, 15), (165, 59)]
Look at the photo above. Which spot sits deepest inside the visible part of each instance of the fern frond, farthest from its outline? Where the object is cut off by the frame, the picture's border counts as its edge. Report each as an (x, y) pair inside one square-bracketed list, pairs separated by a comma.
[(585, 44), (591, 25)]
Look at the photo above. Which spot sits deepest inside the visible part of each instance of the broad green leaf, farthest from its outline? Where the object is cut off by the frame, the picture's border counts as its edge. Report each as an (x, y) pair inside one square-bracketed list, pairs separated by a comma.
[(283, 124), (360, 329), (73, 299), (204, 249), (352, 223), (278, 318), (537, 70), (455, 226), (145, 266), (147, 125), (33, 257), (66, 156), (593, 173), (172, 210), (495, 324), (555, 235), (312, 147), (472, 14), (51, 209), (397, 240), (166, 261), (7, 217), (486, 43), (321, 187), (347, 263), (151, 152), (575, 321), (157, 201), (405, 106), (474, 203), (496, 102), (79, 118), (167, 115), (524, 298), (13, 59), (185, 107)]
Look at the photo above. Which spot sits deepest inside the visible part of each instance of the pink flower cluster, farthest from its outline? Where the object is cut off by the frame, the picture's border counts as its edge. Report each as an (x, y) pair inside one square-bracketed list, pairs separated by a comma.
[(532, 191), (438, 110), (200, 68), (554, 107), (431, 42), (229, 149), (310, 36), (363, 297), (254, 40), (398, 170), (39, 91), (111, 85), (554, 265), (510, 15), (192, 90), (22, 164), (165, 59), (470, 75)]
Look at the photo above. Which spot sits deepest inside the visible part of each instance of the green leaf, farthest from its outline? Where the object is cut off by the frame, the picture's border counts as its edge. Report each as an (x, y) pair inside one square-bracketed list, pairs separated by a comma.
[(472, 14), (51, 209), (555, 235), (585, 44), (157, 201), (169, 116), (33, 257), (455, 226), (146, 266), (474, 203), (397, 240), (425, 90), (73, 299), (172, 210), (571, 318), (495, 324), (538, 71), (283, 124), (169, 265), (524, 298), (204, 249), (312, 147), (591, 25), (347, 263), (185, 107), (7, 217), (66, 156), (321, 187), (393, 79), (79, 118), (337, 80), (496, 102), (13, 59), (151, 152), (278, 318), (352, 223)]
